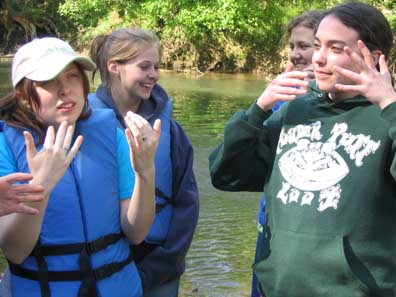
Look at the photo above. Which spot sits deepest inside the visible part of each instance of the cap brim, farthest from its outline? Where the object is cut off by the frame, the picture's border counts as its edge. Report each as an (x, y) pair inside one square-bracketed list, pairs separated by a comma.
[(55, 64)]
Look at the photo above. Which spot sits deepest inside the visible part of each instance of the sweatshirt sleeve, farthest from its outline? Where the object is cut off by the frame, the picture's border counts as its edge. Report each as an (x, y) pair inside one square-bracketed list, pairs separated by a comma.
[(243, 160), (389, 114), (167, 262)]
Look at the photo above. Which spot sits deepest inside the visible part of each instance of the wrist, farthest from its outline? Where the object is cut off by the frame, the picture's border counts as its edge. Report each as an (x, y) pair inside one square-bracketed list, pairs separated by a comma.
[(147, 175), (384, 103)]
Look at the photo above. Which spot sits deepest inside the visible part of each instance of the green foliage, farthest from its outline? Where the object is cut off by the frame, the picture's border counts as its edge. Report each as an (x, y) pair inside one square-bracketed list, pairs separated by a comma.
[(22, 20), (224, 35)]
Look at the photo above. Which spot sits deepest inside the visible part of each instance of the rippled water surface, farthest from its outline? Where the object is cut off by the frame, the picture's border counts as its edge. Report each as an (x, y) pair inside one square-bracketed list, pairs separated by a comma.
[(219, 261), (220, 258)]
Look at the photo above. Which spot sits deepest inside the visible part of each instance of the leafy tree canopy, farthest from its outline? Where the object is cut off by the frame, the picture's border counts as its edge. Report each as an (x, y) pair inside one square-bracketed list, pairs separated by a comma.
[(224, 35)]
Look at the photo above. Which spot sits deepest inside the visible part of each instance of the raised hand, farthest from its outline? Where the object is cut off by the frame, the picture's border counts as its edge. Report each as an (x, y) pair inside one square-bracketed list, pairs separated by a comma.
[(369, 82), (13, 196), (310, 72), (143, 141), (49, 165), (285, 87)]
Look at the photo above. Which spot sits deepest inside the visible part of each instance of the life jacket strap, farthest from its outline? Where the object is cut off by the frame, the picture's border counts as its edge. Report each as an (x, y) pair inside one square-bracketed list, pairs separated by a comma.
[(86, 274), (42, 266), (72, 275), (92, 247)]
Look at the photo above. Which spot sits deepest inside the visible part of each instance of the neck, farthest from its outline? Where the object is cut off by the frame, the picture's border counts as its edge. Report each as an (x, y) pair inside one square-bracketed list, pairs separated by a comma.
[(341, 96), (123, 101)]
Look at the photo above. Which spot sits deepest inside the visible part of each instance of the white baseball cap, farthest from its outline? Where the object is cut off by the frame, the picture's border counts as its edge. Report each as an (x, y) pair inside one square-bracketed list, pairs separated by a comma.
[(44, 58)]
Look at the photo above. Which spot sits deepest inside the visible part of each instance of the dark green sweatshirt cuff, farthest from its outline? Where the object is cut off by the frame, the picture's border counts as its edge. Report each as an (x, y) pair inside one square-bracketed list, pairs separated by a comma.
[(256, 116), (389, 114)]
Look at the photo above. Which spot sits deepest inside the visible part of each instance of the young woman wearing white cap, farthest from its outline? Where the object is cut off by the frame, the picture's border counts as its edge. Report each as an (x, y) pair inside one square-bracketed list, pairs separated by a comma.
[(95, 205)]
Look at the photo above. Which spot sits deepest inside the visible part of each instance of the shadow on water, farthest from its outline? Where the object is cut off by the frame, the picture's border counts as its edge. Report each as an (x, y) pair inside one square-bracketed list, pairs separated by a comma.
[(220, 258)]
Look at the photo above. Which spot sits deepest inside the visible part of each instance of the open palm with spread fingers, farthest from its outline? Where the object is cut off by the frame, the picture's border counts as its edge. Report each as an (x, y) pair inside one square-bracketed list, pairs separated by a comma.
[(369, 82), (143, 141), (49, 164), (285, 87)]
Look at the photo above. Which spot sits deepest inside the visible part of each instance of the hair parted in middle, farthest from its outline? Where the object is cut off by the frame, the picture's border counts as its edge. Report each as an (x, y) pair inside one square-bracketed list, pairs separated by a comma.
[(121, 46)]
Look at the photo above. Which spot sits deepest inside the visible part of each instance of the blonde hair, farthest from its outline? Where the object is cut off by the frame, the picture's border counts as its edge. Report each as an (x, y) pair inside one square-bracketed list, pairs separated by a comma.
[(121, 46)]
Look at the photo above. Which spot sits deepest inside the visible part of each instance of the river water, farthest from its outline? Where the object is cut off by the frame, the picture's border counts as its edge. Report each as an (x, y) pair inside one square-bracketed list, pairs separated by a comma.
[(220, 258)]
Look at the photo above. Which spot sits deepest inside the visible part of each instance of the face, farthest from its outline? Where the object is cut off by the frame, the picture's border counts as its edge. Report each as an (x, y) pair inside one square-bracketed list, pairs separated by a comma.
[(330, 39), (62, 98), (139, 75), (301, 45)]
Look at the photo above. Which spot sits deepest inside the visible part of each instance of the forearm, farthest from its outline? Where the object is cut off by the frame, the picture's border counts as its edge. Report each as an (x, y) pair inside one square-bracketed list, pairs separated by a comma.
[(20, 232), (239, 164), (139, 214)]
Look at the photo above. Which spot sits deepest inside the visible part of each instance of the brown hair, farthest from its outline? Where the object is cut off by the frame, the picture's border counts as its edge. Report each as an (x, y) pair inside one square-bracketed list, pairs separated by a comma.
[(19, 108), (309, 19), (121, 46)]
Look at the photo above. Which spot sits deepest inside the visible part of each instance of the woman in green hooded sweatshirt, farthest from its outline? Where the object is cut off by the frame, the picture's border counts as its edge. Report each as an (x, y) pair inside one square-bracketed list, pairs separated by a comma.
[(326, 162)]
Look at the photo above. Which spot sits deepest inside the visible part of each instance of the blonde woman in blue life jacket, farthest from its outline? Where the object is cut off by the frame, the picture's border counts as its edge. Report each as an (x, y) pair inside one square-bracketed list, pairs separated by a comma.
[(128, 61), (98, 180)]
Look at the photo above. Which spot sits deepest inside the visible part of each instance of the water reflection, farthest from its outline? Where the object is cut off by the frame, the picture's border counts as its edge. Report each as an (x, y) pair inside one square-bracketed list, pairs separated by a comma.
[(219, 261), (220, 258)]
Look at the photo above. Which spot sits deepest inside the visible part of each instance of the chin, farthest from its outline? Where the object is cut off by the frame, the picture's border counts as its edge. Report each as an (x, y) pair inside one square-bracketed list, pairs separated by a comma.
[(325, 86)]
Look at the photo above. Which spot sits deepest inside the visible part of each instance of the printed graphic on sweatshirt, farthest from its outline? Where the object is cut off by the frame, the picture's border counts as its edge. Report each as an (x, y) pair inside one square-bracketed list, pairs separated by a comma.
[(314, 168)]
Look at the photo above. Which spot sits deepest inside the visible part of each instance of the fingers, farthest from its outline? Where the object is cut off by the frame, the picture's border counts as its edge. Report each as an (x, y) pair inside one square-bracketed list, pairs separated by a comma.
[(383, 65), (30, 147), (348, 73), (49, 137), (138, 126), (24, 189), (76, 146), (68, 137), (157, 126), (24, 209), (289, 67), (17, 177), (60, 136), (368, 58), (364, 64), (130, 139)]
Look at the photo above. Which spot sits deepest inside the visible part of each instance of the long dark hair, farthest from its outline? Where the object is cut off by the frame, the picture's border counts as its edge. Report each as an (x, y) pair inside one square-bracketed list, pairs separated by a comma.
[(19, 107)]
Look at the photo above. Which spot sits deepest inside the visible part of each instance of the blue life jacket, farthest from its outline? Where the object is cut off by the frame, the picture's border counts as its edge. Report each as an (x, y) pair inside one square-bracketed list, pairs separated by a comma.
[(163, 172), (81, 250)]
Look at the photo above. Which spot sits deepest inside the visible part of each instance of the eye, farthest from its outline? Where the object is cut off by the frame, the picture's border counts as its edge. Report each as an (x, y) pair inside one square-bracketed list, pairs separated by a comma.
[(317, 46), (337, 49), (47, 84), (74, 74), (305, 45)]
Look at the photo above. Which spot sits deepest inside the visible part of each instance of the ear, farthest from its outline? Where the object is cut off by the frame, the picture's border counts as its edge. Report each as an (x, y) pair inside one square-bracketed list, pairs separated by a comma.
[(376, 55), (113, 67)]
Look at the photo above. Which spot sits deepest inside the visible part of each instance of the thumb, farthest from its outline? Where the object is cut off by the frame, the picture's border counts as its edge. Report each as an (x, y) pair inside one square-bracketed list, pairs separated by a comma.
[(289, 67), (157, 126)]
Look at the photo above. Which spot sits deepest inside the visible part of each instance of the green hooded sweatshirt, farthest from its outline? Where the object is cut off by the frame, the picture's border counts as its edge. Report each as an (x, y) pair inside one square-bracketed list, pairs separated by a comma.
[(328, 171)]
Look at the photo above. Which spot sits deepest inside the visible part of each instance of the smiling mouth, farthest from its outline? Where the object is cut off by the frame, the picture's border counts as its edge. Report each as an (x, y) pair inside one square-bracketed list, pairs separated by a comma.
[(67, 105), (322, 73)]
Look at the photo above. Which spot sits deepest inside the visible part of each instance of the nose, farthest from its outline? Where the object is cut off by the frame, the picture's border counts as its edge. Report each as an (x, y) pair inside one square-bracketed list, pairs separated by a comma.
[(154, 73), (295, 53), (319, 57), (63, 87)]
